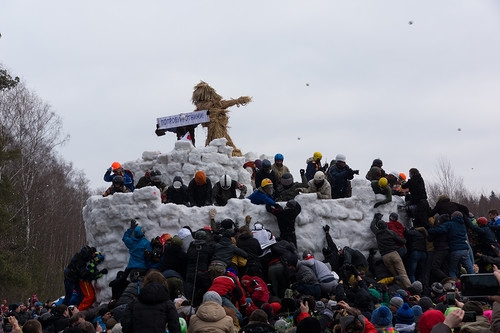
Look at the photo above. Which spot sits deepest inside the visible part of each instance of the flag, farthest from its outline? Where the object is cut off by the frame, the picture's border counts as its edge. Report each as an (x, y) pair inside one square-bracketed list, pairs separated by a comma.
[(187, 137)]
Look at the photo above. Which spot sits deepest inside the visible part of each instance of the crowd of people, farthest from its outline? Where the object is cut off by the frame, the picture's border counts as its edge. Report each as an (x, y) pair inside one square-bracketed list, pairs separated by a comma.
[(230, 278)]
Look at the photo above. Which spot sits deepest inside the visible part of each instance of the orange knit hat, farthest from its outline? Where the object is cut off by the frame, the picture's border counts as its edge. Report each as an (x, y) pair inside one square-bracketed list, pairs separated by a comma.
[(200, 178)]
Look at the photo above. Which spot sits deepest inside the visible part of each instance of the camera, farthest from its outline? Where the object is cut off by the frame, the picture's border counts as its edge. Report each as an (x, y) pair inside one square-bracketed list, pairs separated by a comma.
[(450, 298), (479, 285), (469, 316), (7, 327)]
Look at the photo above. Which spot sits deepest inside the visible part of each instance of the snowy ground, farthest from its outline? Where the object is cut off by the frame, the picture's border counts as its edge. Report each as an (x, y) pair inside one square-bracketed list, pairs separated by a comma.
[(107, 218)]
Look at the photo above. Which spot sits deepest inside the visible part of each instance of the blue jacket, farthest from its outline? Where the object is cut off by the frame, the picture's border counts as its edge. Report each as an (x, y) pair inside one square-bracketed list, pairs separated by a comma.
[(260, 198), (457, 233), (128, 178), (136, 243)]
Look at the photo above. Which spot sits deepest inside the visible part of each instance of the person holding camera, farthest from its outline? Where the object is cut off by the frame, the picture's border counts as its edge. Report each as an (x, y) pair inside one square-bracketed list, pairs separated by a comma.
[(340, 176)]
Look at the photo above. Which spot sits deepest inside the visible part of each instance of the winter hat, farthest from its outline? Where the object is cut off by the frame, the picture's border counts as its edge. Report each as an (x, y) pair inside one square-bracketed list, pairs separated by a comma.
[(450, 309), (212, 296), (417, 285), (443, 218), (266, 164), (456, 213), (227, 224), (268, 309), (258, 163), (381, 224), (473, 306), (449, 286), (405, 315), (346, 321), (340, 158), (403, 294), (429, 319), (200, 178), (183, 233), (259, 315), (13, 306), (320, 306), (276, 307), (393, 217), (306, 255), (309, 325), (417, 310), (437, 288), (426, 303), (382, 316), (287, 179), (176, 240), (396, 301), (317, 156), (482, 221)]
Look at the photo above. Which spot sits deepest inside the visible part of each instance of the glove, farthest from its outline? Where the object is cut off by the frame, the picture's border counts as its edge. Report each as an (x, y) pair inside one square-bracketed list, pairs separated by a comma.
[(269, 208), (133, 224), (326, 228), (325, 167), (378, 216), (318, 195), (212, 213), (302, 172), (248, 219), (377, 204), (104, 271), (110, 169), (356, 172)]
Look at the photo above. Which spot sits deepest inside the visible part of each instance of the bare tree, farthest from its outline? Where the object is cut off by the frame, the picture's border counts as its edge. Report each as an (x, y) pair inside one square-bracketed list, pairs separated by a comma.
[(445, 182)]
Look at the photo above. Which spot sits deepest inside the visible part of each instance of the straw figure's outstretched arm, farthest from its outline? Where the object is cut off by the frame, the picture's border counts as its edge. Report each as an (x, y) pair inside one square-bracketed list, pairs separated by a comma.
[(243, 100)]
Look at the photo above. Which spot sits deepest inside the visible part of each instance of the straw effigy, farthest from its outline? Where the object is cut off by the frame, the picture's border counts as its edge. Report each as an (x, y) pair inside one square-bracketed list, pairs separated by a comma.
[(206, 98)]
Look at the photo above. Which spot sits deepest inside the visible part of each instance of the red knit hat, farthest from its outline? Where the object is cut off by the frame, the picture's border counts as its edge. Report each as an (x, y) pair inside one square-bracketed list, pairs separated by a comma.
[(429, 319)]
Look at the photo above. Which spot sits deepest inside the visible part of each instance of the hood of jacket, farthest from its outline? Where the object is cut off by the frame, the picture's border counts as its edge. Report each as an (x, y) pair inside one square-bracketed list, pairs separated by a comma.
[(210, 311), (153, 293), (138, 232), (178, 178)]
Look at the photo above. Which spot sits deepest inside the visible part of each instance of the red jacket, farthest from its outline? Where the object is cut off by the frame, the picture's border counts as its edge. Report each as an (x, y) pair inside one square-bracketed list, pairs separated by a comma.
[(229, 287)]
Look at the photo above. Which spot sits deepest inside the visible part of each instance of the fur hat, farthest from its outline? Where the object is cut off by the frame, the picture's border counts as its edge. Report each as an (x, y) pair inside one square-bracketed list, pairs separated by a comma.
[(429, 319), (212, 296), (382, 316), (200, 178), (396, 301), (405, 315)]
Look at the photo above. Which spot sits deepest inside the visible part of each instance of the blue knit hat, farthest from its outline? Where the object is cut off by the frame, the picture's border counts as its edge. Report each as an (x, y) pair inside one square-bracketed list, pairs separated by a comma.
[(405, 315), (382, 316)]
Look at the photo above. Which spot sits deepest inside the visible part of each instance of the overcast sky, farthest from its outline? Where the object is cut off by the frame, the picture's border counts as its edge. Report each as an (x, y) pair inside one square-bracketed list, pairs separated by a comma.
[(350, 77)]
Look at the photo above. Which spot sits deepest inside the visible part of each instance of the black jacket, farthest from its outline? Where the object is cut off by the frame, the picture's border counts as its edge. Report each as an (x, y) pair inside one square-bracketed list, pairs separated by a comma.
[(416, 186), (151, 312)]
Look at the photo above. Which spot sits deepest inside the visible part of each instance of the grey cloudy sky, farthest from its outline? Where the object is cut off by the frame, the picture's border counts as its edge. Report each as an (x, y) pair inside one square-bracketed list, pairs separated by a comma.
[(377, 85)]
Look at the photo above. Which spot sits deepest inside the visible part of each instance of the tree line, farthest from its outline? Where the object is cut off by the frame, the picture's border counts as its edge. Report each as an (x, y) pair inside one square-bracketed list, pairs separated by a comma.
[(41, 196)]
